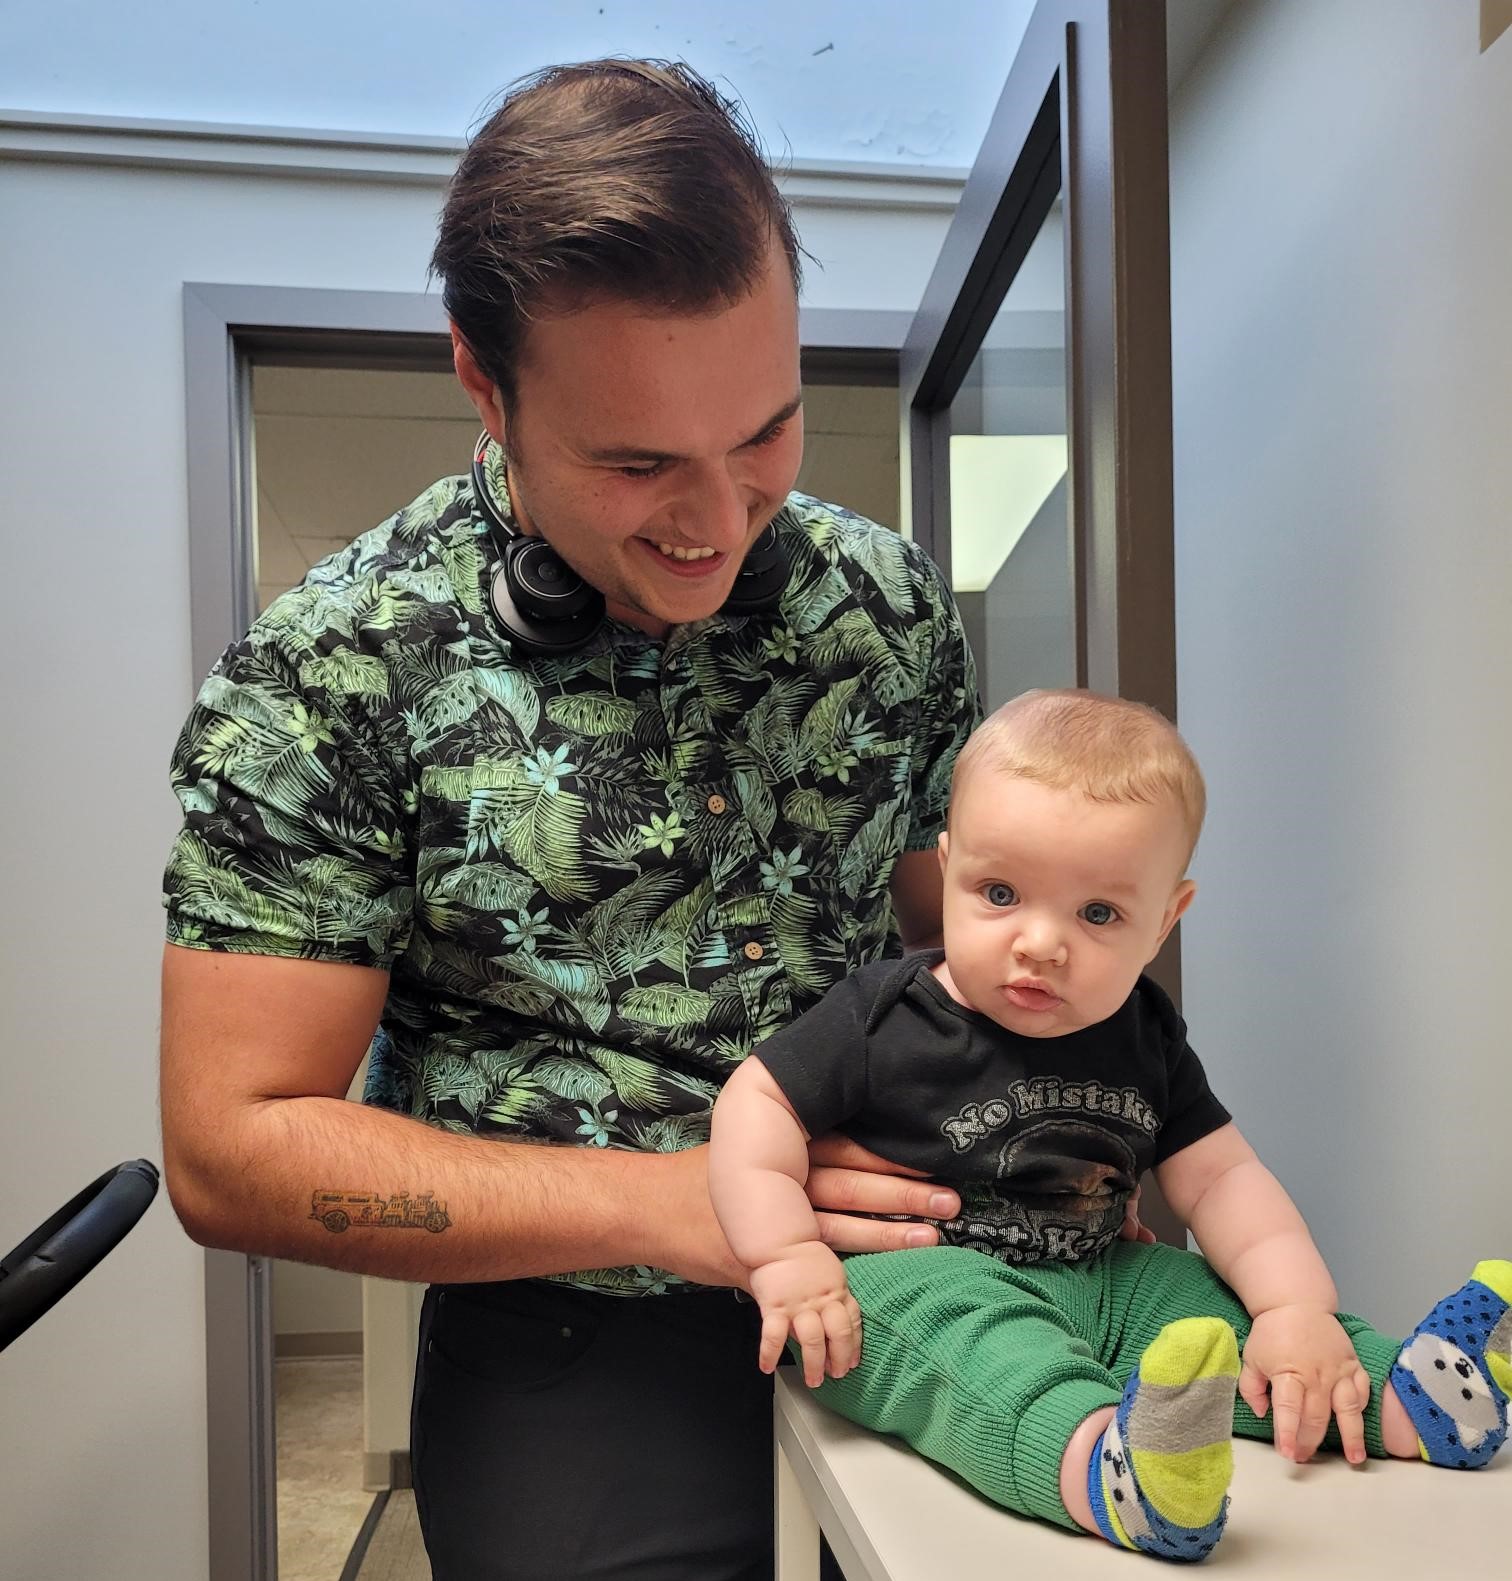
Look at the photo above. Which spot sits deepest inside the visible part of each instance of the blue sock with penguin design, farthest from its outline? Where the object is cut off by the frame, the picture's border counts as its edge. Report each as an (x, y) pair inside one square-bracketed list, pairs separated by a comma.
[(1454, 1373)]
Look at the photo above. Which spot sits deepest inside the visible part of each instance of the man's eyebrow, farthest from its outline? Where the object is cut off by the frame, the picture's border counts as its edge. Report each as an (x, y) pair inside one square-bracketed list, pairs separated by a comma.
[(624, 454)]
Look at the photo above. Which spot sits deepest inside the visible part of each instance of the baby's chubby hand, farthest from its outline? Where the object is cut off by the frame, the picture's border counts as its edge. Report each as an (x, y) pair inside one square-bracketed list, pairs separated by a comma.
[(1300, 1363), (804, 1292)]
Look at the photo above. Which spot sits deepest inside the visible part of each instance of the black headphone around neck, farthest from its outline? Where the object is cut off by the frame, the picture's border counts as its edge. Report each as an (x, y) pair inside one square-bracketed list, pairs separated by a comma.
[(547, 609)]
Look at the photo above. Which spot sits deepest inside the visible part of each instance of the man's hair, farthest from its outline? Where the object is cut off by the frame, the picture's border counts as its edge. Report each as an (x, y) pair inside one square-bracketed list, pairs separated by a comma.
[(629, 180), (1108, 748)]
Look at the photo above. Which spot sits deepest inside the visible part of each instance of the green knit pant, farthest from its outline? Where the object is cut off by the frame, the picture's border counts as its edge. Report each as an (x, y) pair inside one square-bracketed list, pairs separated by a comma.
[(989, 1369)]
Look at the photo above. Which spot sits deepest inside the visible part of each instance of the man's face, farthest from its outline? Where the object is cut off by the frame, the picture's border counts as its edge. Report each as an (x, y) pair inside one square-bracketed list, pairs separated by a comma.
[(1054, 903), (651, 449)]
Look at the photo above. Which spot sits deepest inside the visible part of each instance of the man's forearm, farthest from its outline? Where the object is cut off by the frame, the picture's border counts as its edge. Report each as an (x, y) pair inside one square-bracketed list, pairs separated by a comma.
[(512, 1209)]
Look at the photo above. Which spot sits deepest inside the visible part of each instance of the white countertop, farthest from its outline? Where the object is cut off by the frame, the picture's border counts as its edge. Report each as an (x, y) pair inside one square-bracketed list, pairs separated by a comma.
[(890, 1515)]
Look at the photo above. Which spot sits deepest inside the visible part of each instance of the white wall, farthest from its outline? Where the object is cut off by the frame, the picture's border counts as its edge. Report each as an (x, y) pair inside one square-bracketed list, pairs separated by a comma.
[(1342, 231), (103, 1403)]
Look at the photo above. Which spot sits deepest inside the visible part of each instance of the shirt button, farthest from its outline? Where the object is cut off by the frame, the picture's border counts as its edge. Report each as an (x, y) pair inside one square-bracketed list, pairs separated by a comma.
[(752, 951), (717, 803)]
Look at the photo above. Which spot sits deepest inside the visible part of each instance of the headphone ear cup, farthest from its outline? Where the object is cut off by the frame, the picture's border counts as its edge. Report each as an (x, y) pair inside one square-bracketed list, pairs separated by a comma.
[(543, 605), (763, 576)]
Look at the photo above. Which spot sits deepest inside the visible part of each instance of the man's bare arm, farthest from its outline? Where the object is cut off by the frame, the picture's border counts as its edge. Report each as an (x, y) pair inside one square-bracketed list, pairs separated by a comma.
[(258, 1054)]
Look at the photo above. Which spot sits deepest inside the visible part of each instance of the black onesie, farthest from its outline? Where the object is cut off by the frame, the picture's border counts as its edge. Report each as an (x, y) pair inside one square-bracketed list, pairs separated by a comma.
[(1044, 1138)]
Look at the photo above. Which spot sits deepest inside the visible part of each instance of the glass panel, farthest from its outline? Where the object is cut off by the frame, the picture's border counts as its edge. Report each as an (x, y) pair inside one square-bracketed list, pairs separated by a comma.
[(1010, 530)]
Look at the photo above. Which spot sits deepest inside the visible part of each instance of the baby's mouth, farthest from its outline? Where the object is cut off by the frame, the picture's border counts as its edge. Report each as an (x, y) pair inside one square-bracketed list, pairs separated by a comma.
[(1027, 996)]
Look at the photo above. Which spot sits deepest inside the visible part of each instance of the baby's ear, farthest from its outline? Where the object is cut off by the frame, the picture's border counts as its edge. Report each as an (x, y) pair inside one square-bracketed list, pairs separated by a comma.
[(1181, 897), (944, 848)]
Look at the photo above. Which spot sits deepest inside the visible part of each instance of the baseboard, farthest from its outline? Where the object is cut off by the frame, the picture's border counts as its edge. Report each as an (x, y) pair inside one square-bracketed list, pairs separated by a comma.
[(342, 1342), (386, 1468)]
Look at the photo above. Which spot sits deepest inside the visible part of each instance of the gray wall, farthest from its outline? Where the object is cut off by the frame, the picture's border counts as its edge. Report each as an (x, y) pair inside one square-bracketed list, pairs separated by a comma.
[(1342, 246)]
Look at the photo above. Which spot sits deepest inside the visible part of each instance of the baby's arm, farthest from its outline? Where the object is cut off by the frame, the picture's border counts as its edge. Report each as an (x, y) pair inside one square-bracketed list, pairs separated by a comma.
[(1298, 1359), (758, 1163)]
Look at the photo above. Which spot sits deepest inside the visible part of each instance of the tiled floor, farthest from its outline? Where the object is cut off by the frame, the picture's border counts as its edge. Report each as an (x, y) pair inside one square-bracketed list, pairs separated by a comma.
[(321, 1500)]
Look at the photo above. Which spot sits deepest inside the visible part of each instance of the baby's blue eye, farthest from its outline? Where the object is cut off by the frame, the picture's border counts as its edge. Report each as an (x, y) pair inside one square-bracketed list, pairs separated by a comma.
[(1099, 913), (1000, 895)]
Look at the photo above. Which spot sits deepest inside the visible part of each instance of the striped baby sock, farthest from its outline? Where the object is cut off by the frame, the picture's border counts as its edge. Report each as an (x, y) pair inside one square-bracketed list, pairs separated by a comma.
[(1159, 1479), (1455, 1371)]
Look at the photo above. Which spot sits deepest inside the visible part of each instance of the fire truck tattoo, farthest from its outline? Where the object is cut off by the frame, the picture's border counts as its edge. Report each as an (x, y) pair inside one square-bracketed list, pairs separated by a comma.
[(340, 1210)]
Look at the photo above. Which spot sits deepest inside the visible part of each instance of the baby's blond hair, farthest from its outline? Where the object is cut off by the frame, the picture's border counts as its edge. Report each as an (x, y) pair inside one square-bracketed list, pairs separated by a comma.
[(1108, 748)]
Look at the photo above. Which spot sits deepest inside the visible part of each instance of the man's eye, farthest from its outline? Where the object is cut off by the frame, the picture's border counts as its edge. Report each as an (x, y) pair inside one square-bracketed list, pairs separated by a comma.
[(1099, 913), (770, 437), (1000, 895), (641, 472)]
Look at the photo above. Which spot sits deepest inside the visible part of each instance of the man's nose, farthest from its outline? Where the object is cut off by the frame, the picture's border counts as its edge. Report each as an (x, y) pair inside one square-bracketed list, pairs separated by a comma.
[(714, 510)]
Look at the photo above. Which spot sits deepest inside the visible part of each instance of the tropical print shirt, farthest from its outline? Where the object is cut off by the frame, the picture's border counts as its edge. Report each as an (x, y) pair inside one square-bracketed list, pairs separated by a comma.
[(596, 881)]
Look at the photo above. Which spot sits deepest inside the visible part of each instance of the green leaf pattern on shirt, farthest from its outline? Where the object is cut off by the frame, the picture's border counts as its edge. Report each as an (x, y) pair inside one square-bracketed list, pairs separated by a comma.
[(596, 881)]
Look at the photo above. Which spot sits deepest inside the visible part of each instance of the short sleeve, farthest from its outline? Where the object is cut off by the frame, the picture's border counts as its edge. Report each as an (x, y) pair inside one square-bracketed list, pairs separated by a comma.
[(1191, 1109), (949, 708), (819, 1060), (294, 840)]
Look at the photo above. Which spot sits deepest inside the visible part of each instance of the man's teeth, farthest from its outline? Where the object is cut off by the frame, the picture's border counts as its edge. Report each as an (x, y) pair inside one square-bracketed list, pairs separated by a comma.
[(676, 552)]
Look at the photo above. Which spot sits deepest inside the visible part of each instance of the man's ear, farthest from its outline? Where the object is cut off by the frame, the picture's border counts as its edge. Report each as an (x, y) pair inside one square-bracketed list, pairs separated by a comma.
[(1181, 897), (481, 390)]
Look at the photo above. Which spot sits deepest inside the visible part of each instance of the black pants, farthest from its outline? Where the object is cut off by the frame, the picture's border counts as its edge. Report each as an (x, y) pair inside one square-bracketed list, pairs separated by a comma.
[(561, 1434)]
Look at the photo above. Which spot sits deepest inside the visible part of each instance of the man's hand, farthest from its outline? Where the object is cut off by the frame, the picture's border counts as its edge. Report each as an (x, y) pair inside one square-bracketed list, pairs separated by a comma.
[(1299, 1361), (1131, 1229), (845, 1180), (804, 1293)]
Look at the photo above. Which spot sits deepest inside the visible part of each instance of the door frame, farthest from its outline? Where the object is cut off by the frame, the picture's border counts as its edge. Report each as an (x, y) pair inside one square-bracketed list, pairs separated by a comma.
[(1084, 114)]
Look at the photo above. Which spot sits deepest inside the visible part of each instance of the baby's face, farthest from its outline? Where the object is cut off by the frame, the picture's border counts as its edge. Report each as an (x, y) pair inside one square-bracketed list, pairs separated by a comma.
[(1054, 903)]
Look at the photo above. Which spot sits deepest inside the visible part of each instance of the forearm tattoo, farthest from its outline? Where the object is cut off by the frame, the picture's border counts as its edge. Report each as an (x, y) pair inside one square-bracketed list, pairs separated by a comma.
[(406, 1210)]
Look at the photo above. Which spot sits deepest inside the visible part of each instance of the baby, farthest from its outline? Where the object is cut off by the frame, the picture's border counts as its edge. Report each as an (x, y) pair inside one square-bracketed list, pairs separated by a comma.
[(1069, 1374)]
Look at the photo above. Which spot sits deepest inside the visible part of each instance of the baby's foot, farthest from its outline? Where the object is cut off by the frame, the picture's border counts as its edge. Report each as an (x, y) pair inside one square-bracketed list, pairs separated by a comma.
[(1159, 1478), (1454, 1374)]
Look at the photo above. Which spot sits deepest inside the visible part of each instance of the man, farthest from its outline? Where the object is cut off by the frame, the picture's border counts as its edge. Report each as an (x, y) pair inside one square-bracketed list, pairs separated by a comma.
[(562, 893)]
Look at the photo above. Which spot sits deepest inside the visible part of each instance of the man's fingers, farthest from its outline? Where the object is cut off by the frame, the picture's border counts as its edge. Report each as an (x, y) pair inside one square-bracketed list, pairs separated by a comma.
[(843, 1152), (847, 1234), (1132, 1229), (859, 1191)]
